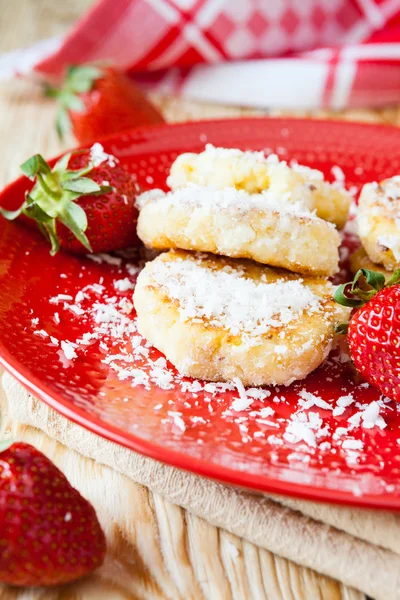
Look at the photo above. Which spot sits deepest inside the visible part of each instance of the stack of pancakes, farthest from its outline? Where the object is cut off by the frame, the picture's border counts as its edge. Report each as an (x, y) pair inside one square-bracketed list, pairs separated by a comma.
[(242, 291)]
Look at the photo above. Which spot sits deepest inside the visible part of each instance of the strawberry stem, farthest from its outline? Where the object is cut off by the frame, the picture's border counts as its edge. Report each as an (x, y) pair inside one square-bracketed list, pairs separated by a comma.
[(46, 188), (395, 279), (50, 229)]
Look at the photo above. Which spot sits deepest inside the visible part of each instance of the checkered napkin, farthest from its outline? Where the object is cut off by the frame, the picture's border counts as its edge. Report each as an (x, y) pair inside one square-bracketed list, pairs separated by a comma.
[(286, 53), (266, 53)]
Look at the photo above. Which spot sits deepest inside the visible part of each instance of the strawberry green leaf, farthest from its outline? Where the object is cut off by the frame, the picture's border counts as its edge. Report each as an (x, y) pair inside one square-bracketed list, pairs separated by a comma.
[(365, 285), (78, 214), (342, 328), (42, 229), (343, 296), (75, 174), (372, 278), (35, 212), (82, 185), (394, 279), (106, 189), (71, 101), (10, 215), (51, 193), (74, 218), (50, 229), (50, 91), (63, 122), (62, 164), (34, 165), (80, 79)]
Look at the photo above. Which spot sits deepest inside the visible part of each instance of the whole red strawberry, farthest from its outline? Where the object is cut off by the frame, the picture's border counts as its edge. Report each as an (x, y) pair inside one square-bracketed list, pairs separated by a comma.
[(86, 202), (96, 101), (374, 328), (49, 534)]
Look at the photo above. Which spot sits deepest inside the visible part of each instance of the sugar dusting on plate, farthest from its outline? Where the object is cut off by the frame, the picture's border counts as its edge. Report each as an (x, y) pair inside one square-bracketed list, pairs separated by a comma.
[(229, 298)]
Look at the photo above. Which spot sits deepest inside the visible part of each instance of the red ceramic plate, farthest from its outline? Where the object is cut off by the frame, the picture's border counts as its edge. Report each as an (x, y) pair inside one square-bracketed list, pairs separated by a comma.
[(68, 334)]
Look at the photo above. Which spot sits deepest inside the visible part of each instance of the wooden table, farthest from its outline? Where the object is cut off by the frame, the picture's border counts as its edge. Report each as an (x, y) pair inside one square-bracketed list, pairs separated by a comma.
[(156, 550)]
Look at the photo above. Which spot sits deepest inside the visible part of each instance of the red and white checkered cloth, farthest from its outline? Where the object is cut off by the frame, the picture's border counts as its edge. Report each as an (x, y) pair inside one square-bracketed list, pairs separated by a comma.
[(286, 53)]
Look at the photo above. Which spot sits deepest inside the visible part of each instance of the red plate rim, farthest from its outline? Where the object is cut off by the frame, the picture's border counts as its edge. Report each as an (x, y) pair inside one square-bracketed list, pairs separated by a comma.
[(204, 468)]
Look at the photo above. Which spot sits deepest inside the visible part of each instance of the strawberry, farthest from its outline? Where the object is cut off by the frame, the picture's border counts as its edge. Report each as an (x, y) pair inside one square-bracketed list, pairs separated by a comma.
[(96, 101), (49, 534), (374, 328), (86, 202)]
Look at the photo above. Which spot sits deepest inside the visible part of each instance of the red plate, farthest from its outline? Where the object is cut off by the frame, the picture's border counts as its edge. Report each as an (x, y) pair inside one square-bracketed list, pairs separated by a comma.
[(278, 444)]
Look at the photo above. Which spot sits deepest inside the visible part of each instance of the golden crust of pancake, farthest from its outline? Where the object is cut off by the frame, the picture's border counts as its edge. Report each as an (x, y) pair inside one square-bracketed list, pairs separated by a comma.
[(217, 319), (360, 260), (378, 220), (233, 223), (254, 173)]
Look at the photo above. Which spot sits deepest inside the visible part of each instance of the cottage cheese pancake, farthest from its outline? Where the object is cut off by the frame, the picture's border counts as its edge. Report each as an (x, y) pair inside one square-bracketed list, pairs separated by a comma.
[(378, 222), (234, 223), (218, 319), (254, 173)]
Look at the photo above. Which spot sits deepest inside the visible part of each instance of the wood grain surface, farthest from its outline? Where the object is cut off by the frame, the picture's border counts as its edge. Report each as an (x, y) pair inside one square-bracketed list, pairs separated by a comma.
[(156, 550)]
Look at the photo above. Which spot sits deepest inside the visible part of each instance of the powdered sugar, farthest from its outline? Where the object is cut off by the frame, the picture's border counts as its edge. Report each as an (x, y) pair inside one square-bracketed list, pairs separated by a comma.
[(369, 417), (247, 398), (98, 156), (342, 403), (229, 299), (249, 159), (106, 258), (123, 285), (211, 200), (339, 176), (177, 419), (60, 298), (309, 400), (215, 153), (41, 332), (302, 428), (352, 445), (69, 349), (392, 242)]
